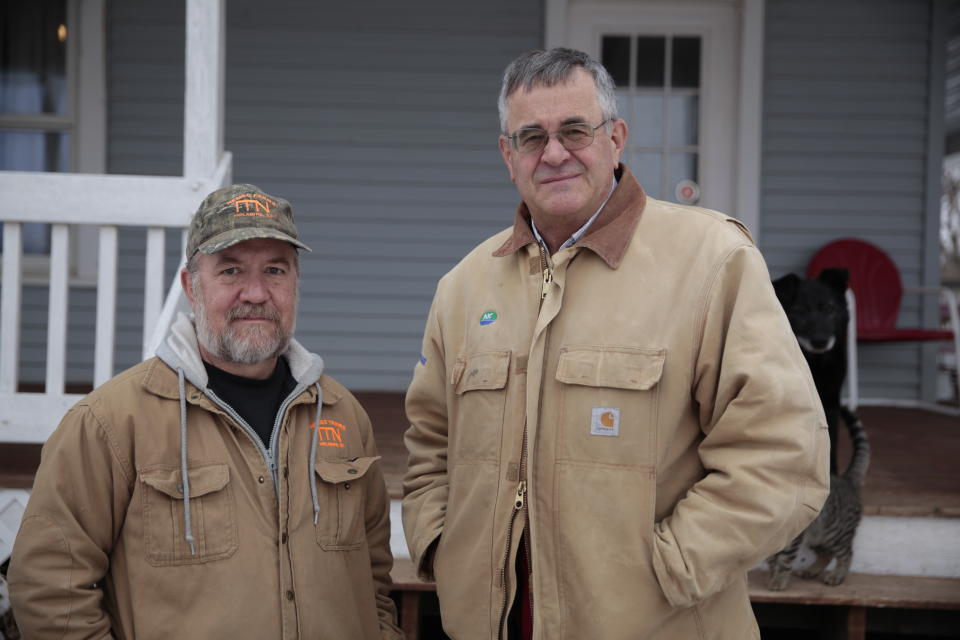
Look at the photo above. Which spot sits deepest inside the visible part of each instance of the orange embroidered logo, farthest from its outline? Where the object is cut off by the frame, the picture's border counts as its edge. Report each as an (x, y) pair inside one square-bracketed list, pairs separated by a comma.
[(252, 204), (328, 432), (606, 419)]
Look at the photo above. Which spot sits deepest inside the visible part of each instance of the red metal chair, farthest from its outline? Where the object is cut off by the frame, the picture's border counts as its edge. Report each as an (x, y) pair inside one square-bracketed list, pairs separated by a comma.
[(874, 301)]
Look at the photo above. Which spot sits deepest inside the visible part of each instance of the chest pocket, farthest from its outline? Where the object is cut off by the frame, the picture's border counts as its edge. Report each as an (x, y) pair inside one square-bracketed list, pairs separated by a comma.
[(341, 491), (609, 402), (213, 517), (479, 381)]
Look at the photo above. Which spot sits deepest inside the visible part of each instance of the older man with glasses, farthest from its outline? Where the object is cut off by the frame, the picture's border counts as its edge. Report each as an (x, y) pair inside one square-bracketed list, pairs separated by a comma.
[(611, 421)]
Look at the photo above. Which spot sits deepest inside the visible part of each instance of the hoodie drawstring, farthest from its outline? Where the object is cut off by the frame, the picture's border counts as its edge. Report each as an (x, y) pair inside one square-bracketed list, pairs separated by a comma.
[(314, 442), (187, 528)]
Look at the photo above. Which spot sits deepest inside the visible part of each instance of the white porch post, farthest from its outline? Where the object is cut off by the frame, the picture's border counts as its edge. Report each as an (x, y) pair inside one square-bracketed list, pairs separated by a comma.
[(205, 165), (10, 307), (203, 97)]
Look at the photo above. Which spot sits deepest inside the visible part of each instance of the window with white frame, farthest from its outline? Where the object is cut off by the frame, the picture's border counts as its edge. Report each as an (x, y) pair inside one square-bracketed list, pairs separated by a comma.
[(46, 93), (658, 94)]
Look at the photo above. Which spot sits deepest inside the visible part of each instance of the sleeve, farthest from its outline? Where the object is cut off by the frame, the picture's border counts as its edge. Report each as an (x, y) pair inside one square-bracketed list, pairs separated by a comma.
[(425, 486), (377, 526), (61, 554), (765, 440)]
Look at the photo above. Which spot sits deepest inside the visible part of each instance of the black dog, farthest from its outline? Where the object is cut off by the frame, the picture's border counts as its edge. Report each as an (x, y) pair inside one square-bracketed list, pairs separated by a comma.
[(817, 310)]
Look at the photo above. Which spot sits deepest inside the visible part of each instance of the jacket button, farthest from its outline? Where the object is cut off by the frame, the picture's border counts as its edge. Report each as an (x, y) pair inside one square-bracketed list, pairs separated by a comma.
[(352, 471), (346, 485), (289, 595), (261, 479), (283, 538)]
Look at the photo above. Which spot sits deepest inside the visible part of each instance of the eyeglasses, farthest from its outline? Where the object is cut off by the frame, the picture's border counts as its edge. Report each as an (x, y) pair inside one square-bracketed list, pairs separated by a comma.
[(573, 136)]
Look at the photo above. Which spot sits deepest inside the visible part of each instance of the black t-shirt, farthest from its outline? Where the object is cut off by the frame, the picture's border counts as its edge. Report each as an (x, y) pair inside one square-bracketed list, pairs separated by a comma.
[(257, 401)]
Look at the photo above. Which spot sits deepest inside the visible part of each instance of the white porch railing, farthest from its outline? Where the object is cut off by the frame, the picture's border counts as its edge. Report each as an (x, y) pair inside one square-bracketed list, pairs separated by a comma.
[(107, 202)]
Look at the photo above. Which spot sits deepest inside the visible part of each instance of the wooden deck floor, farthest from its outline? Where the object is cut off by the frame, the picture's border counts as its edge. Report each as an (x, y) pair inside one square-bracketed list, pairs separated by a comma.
[(913, 470)]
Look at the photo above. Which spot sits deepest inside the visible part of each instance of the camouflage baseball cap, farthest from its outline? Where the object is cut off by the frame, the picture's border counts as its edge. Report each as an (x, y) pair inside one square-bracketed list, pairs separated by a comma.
[(237, 213)]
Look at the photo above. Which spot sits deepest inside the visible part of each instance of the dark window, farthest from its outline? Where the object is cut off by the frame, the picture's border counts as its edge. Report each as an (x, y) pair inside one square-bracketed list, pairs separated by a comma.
[(615, 56), (34, 89), (650, 61), (686, 62)]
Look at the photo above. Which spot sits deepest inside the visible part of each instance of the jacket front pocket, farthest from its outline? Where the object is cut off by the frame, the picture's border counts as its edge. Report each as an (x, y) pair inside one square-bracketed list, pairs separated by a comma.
[(608, 403), (213, 520), (341, 488), (479, 381), (604, 546)]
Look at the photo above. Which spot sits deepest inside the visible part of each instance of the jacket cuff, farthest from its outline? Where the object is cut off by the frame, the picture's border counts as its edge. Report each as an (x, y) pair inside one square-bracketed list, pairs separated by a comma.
[(672, 588), (425, 560)]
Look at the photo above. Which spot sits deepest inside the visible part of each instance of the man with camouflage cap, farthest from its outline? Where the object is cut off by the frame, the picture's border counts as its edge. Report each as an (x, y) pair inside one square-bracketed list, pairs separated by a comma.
[(225, 488)]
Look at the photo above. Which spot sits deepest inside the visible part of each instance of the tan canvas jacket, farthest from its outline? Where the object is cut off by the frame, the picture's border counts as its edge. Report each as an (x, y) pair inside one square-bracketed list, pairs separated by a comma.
[(102, 551), (637, 402)]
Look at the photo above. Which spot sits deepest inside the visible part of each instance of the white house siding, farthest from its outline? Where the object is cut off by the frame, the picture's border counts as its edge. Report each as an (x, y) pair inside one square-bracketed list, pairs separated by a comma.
[(376, 120), (845, 148)]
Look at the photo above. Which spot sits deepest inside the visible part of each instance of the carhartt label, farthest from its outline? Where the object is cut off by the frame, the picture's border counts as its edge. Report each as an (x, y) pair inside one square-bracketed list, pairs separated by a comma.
[(605, 421)]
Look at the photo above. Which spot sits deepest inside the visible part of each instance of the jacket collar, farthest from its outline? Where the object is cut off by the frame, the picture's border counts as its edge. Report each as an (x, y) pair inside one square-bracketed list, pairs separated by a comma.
[(610, 233)]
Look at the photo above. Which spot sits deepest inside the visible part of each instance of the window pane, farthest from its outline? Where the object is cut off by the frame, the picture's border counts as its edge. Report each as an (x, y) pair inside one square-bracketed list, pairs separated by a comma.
[(684, 116), (34, 150), (623, 104), (33, 57), (615, 56), (650, 61), (682, 166), (646, 126), (649, 171), (686, 62)]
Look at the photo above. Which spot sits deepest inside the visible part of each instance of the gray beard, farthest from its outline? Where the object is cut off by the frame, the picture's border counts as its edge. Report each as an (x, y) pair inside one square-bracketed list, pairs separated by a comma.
[(252, 346)]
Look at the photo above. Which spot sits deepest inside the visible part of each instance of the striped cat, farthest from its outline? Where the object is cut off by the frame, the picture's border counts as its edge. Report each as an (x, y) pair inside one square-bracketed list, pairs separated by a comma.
[(831, 534)]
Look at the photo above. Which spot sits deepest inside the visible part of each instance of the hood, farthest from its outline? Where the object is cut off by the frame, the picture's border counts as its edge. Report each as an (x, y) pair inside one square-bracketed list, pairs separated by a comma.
[(181, 352)]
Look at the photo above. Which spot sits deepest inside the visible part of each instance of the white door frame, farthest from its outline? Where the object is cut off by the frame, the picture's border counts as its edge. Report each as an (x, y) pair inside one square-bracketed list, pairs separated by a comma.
[(742, 197)]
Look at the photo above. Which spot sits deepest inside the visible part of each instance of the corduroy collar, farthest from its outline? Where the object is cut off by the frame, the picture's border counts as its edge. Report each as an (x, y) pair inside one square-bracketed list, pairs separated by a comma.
[(609, 234)]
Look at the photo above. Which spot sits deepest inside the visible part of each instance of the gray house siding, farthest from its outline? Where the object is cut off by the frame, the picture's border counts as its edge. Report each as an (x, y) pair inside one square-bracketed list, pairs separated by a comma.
[(952, 89), (81, 327), (845, 149), (145, 79), (377, 121)]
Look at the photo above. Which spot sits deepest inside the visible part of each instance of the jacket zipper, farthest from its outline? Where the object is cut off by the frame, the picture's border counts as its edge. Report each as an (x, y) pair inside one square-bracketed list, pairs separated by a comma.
[(518, 505), (520, 502), (269, 456), (547, 274)]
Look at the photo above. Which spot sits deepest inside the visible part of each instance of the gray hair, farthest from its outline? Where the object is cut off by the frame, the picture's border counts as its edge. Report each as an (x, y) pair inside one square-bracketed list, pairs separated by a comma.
[(550, 68)]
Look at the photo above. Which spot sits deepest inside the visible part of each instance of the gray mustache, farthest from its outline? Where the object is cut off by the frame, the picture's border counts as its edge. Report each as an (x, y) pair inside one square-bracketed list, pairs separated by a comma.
[(253, 311)]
